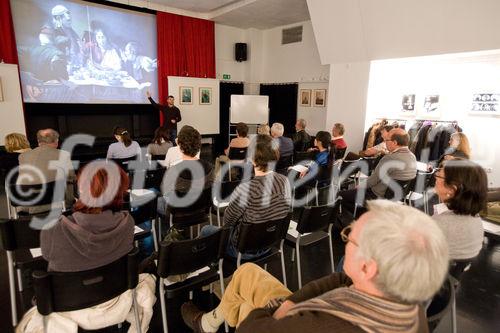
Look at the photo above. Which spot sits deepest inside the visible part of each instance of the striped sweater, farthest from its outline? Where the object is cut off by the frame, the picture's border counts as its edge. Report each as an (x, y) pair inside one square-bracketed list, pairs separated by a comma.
[(262, 199)]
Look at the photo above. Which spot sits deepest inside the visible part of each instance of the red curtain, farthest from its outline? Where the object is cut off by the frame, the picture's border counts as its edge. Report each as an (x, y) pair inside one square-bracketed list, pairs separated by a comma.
[(186, 47), (8, 51)]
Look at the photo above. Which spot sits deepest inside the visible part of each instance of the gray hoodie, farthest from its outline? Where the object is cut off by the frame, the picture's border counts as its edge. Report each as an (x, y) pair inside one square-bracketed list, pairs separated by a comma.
[(85, 241)]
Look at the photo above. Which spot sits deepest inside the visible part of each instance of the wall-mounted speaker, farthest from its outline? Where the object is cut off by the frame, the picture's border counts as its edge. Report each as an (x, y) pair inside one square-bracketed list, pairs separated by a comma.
[(240, 51)]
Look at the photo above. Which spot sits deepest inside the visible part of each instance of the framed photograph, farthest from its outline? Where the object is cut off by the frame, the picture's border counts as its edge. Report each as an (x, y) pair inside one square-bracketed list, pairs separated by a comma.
[(408, 104), (305, 97), (319, 97), (431, 106), (186, 95), (205, 96), (485, 104)]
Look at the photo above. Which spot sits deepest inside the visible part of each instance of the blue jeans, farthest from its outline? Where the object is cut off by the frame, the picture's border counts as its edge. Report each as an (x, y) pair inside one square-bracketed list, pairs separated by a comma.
[(172, 133), (231, 250)]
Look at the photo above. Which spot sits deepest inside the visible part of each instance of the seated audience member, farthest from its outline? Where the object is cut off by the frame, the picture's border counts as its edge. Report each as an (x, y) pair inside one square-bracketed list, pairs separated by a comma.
[(459, 148), (241, 140), (285, 144), (191, 172), (380, 291), (301, 140), (174, 156), (98, 233), (338, 141), (266, 197), (377, 150), (161, 142), (318, 169), (125, 147), (15, 144), (462, 186), (51, 164), (264, 129), (399, 164), (94, 235)]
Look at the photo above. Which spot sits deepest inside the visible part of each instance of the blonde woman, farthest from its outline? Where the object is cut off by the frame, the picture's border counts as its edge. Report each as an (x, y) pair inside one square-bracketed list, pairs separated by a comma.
[(15, 144), (264, 129)]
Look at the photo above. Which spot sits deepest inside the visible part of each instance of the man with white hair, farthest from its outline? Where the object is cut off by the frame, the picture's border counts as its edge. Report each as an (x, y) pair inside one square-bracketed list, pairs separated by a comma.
[(301, 140), (63, 31), (396, 257), (285, 144)]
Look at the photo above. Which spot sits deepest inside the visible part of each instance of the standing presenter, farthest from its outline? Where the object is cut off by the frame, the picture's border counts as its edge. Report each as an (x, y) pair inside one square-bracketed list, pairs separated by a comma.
[(171, 115)]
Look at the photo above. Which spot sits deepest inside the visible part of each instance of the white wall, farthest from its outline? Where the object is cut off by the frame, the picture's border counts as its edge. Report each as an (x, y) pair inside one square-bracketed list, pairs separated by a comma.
[(455, 79), (205, 118), (360, 30), (270, 62), (11, 109)]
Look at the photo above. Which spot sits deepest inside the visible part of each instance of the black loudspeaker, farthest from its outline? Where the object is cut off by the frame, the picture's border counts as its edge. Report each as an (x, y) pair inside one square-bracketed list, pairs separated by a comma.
[(240, 51)]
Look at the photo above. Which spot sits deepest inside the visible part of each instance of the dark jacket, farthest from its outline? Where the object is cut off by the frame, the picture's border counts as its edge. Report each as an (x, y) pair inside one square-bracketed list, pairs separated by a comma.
[(169, 114), (285, 146), (85, 241), (301, 141)]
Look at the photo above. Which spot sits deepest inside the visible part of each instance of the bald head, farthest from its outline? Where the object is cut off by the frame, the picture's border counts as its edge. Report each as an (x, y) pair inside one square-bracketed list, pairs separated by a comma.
[(48, 137), (400, 137)]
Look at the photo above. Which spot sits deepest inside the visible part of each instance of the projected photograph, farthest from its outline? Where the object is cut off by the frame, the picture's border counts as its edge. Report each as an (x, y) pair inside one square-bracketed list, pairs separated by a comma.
[(75, 52), (186, 94), (205, 96)]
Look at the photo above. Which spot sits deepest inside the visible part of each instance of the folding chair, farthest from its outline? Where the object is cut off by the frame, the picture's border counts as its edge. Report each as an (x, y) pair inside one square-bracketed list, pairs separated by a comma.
[(204, 256)]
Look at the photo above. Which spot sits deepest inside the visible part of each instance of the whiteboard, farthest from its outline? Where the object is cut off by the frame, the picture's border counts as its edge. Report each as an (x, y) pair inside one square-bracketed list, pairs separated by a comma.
[(11, 108), (249, 109)]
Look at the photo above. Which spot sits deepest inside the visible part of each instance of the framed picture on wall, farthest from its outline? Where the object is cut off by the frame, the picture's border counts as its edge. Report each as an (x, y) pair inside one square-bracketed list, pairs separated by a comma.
[(205, 96), (408, 105), (305, 97), (319, 97), (186, 95), (430, 107), (485, 103)]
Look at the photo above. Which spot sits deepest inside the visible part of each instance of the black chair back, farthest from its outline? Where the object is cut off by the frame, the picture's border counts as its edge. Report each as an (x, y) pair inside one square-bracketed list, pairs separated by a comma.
[(315, 218), (300, 156), (187, 256), (225, 189), (284, 163), (34, 195), (440, 304), (459, 266), (405, 185), (158, 157), (152, 178), (340, 153), (57, 292), (257, 236), (372, 162), (17, 234), (237, 153), (123, 162), (145, 212), (187, 215)]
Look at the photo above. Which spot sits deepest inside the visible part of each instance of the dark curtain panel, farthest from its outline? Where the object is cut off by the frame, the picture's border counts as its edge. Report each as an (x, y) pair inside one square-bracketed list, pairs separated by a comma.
[(8, 51), (282, 104), (226, 90), (186, 47)]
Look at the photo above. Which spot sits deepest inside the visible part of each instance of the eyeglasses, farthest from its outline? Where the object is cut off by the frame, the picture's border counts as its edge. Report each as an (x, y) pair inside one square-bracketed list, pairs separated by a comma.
[(436, 174), (344, 234)]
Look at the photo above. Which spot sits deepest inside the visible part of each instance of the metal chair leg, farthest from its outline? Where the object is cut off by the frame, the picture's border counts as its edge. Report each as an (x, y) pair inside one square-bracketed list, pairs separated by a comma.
[(218, 216), (297, 248), (332, 262), (453, 311), (283, 271), (12, 287), (153, 231), (222, 289), (163, 306), (136, 311)]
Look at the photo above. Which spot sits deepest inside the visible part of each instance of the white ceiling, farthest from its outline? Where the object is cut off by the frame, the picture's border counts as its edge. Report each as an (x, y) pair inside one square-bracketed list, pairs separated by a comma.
[(259, 14)]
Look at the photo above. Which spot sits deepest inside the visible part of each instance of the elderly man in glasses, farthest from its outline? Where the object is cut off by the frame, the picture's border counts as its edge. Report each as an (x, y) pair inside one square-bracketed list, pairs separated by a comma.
[(395, 258)]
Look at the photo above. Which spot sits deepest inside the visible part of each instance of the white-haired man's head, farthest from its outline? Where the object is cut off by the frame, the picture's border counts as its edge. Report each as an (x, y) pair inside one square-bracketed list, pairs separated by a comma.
[(396, 251), (277, 130)]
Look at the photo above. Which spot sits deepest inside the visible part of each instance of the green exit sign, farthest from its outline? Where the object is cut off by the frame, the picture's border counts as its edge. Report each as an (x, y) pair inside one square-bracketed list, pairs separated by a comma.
[(226, 76)]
